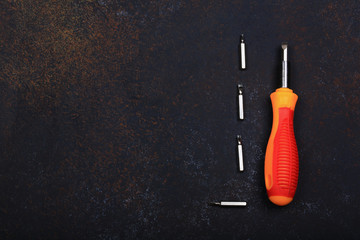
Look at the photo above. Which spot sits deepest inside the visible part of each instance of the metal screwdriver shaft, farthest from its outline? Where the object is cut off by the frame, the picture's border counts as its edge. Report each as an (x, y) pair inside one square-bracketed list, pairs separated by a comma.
[(242, 53), (284, 47), (240, 154), (241, 102), (229, 204)]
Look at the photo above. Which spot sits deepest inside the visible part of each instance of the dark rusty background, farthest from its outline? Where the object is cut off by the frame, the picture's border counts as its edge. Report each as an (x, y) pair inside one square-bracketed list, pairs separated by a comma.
[(118, 119)]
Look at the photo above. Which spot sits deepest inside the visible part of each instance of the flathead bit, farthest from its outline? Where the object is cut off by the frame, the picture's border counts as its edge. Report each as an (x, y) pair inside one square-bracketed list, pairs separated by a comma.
[(284, 46)]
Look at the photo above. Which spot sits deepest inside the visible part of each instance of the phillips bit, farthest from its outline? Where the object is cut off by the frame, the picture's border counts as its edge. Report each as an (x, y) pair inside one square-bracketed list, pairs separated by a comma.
[(229, 204), (240, 154), (242, 53), (241, 102)]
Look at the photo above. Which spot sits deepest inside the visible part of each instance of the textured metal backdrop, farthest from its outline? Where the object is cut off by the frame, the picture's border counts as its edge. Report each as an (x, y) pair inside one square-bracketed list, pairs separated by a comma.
[(118, 119)]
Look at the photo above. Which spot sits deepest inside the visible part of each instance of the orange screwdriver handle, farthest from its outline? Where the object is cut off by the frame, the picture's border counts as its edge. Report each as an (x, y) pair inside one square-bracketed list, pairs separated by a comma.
[(282, 159)]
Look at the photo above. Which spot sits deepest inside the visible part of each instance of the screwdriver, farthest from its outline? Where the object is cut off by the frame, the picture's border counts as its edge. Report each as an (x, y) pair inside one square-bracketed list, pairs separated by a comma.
[(281, 158)]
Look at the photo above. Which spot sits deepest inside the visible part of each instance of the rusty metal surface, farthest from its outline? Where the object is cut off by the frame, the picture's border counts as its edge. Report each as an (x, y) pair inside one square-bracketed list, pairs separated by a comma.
[(118, 119)]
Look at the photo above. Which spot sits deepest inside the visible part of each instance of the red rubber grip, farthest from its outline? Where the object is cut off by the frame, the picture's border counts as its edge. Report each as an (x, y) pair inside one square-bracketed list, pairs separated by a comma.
[(285, 157)]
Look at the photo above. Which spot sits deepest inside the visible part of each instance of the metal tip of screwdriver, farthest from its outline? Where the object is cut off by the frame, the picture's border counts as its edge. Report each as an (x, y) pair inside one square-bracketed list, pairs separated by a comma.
[(214, 203), (242, 38), (238, 139), (240, 87), (284, 45)]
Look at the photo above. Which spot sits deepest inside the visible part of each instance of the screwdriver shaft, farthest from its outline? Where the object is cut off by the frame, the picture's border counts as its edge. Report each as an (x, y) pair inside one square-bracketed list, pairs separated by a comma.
[(240, 154), (230, 204), (284, 47), (241, 102), (242, 53)]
